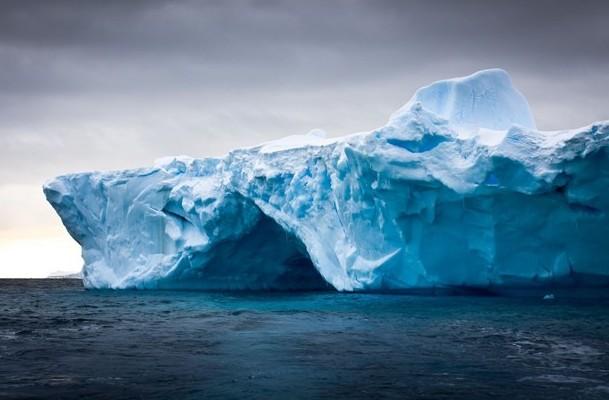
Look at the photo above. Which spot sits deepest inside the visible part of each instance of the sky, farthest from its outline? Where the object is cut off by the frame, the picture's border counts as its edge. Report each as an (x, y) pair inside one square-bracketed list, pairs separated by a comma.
[(96, 85)]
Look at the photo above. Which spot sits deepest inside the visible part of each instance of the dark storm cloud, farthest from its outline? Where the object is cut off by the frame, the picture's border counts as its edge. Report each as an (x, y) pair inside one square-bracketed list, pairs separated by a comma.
[(155, 44), (112, 84)]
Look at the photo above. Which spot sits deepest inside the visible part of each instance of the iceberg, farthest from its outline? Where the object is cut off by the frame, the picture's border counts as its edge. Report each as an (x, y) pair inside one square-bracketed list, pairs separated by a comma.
[(458, 189)]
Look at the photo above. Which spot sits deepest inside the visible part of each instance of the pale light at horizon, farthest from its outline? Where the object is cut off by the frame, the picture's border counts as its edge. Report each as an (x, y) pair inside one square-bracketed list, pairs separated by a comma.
[(38, 255)]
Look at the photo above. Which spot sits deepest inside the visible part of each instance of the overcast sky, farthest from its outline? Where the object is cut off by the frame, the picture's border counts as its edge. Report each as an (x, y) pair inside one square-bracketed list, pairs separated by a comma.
[(90, 85)]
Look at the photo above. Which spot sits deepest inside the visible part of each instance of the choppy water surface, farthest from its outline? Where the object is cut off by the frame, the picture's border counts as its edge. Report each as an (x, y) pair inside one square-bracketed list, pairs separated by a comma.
[(58, 340)]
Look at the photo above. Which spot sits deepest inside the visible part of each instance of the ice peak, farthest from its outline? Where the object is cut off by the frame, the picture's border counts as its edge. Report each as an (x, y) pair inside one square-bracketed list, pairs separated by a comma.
[(485, 99)]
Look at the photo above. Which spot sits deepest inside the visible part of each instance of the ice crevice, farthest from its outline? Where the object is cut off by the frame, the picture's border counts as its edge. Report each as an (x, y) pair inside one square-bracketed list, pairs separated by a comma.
[(458, 189)]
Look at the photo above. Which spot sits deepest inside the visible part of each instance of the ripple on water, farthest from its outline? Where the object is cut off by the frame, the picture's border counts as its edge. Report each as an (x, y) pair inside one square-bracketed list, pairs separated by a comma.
[(59, 341)]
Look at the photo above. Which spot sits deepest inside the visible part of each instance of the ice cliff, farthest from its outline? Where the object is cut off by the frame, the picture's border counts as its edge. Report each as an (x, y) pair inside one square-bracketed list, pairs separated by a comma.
[(458, 189)]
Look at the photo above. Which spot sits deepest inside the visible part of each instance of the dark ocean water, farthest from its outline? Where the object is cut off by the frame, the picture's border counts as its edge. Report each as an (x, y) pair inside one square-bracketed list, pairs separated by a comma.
[(58, 340)]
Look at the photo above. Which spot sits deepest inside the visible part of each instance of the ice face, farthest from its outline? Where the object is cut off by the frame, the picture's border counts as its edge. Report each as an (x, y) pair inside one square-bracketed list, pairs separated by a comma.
[(458, 189)]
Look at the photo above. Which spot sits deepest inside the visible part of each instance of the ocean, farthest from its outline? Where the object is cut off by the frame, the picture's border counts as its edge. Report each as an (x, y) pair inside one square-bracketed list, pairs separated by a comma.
[(60, 341)]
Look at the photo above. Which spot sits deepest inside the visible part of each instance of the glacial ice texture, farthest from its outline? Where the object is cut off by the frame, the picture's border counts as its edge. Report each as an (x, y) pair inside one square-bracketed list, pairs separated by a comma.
[(459, 189)]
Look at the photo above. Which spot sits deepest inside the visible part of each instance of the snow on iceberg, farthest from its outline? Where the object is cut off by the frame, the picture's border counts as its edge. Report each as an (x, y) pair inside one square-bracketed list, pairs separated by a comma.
[(458, 189)]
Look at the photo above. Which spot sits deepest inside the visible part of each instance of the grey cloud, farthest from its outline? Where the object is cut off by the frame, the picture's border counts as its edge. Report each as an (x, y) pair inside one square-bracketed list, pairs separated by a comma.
[(113, 84)]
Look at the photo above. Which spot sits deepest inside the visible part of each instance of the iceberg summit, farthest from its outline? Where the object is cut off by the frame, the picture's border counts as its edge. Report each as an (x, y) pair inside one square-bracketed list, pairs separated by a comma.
[(458, 189)]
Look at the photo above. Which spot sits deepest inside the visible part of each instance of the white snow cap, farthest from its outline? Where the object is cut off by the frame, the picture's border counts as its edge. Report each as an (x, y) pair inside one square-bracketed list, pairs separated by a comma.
[(485, 99)]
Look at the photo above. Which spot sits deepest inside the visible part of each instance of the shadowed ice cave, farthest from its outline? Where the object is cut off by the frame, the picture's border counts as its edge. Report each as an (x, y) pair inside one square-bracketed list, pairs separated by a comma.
[(264, 258)]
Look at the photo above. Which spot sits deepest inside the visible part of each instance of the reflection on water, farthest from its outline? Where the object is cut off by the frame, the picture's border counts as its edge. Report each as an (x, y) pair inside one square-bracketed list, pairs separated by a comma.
[(58, 340)]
